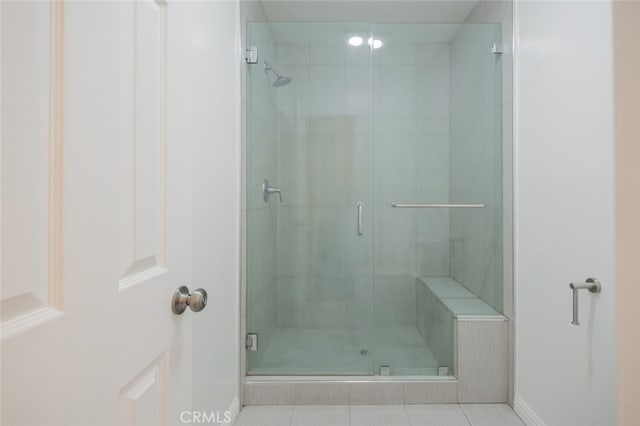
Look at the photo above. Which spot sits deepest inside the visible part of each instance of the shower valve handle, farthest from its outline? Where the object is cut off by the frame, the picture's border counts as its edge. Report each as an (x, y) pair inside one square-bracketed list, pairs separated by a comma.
[(267, 190)]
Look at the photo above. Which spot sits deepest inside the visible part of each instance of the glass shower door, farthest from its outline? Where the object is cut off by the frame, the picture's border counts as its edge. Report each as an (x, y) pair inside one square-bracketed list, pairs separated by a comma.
[(343, 121), (436, 140), (309, 253)]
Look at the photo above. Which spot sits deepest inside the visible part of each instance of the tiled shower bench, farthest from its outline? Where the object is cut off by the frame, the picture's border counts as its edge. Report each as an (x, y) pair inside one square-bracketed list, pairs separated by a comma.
[(478, 351)]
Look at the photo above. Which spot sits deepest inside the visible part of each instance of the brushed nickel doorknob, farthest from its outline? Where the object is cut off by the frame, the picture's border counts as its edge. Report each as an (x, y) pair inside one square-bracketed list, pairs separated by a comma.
[(196, 300)]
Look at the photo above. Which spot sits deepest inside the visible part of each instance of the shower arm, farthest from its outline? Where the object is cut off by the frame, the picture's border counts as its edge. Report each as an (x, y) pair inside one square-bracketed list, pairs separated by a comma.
[(268, 67)]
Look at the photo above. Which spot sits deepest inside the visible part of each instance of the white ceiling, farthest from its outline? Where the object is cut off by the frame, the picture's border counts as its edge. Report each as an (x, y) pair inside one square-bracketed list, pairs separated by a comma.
[(400, 11)]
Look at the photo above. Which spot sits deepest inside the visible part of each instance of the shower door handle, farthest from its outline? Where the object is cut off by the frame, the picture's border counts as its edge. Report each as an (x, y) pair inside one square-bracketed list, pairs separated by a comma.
[(360, 225)]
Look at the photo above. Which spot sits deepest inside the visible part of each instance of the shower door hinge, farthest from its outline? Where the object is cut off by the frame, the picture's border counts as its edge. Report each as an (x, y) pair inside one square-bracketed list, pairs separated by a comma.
[(443, 370), (251, 342), (251, 54)]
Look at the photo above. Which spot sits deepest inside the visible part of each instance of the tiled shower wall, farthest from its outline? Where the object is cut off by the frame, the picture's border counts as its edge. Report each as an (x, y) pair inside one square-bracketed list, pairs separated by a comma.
[(481, 106), (476, 151), (355, 128), (411, 165), (324, 153)]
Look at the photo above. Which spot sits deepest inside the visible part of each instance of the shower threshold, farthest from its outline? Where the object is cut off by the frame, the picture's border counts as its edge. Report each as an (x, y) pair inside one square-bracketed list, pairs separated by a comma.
[(346, 363), (343, 390), (348, 379), (345, 352)]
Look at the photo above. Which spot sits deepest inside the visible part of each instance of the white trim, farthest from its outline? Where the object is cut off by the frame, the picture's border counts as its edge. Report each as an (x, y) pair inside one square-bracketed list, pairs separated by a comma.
[(28, 320), (526, 413), (55, 189), (134, 279), (234, 408), (241, 291), (515, 196)]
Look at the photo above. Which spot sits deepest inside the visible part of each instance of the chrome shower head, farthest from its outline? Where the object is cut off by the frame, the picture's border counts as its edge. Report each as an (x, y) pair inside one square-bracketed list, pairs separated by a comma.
[(281, 80)]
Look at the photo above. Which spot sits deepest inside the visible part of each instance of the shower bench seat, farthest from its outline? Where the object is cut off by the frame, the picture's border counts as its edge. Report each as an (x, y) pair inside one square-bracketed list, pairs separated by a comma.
[(465, 334)]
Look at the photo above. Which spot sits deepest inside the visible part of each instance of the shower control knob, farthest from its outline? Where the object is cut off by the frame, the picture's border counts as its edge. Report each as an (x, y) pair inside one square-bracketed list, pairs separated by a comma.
[(197, 300)]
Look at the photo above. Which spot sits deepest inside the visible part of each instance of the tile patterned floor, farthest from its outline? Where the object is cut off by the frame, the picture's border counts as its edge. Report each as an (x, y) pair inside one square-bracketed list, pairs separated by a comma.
[(380, 415)]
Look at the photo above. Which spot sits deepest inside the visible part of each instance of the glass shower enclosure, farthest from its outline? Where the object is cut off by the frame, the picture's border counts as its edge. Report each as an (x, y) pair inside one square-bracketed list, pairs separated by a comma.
[(373, 160)]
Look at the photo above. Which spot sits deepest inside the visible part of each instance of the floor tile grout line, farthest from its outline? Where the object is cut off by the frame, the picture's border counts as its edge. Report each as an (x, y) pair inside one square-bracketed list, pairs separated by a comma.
[(464, 413), (404, 406), (293, 407)]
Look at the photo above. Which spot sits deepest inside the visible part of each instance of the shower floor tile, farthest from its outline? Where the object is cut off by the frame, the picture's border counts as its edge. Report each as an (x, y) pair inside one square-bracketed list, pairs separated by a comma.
[(315, 351), (404, 349)]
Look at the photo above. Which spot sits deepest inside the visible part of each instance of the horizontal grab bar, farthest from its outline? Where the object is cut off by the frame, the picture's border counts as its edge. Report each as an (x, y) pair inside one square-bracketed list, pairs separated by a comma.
[(439, 206)]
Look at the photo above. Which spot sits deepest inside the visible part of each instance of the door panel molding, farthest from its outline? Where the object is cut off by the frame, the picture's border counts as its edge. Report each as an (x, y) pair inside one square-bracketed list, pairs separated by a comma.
[(42, 299), (56, 155), (146, 395), (143, 144)]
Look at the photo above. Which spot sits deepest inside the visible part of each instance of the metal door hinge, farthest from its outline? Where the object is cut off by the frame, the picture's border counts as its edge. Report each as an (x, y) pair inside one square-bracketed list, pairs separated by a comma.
[(251, 342), (443, 370), (251, 54)]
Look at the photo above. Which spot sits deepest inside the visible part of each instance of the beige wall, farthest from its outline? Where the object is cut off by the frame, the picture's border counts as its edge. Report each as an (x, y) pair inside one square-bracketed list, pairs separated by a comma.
[(626, 20)]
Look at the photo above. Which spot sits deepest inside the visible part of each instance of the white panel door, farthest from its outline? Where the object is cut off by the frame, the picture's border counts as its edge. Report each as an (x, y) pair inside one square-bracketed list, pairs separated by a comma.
[(96, 212)]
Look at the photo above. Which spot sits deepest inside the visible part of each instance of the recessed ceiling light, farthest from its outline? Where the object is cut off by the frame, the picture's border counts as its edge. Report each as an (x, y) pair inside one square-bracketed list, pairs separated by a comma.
[(374, 42), (355, 41)]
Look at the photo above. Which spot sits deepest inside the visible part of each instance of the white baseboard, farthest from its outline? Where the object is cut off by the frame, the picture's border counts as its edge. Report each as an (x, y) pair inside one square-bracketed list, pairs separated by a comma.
[(234, 408), (526, 413)]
